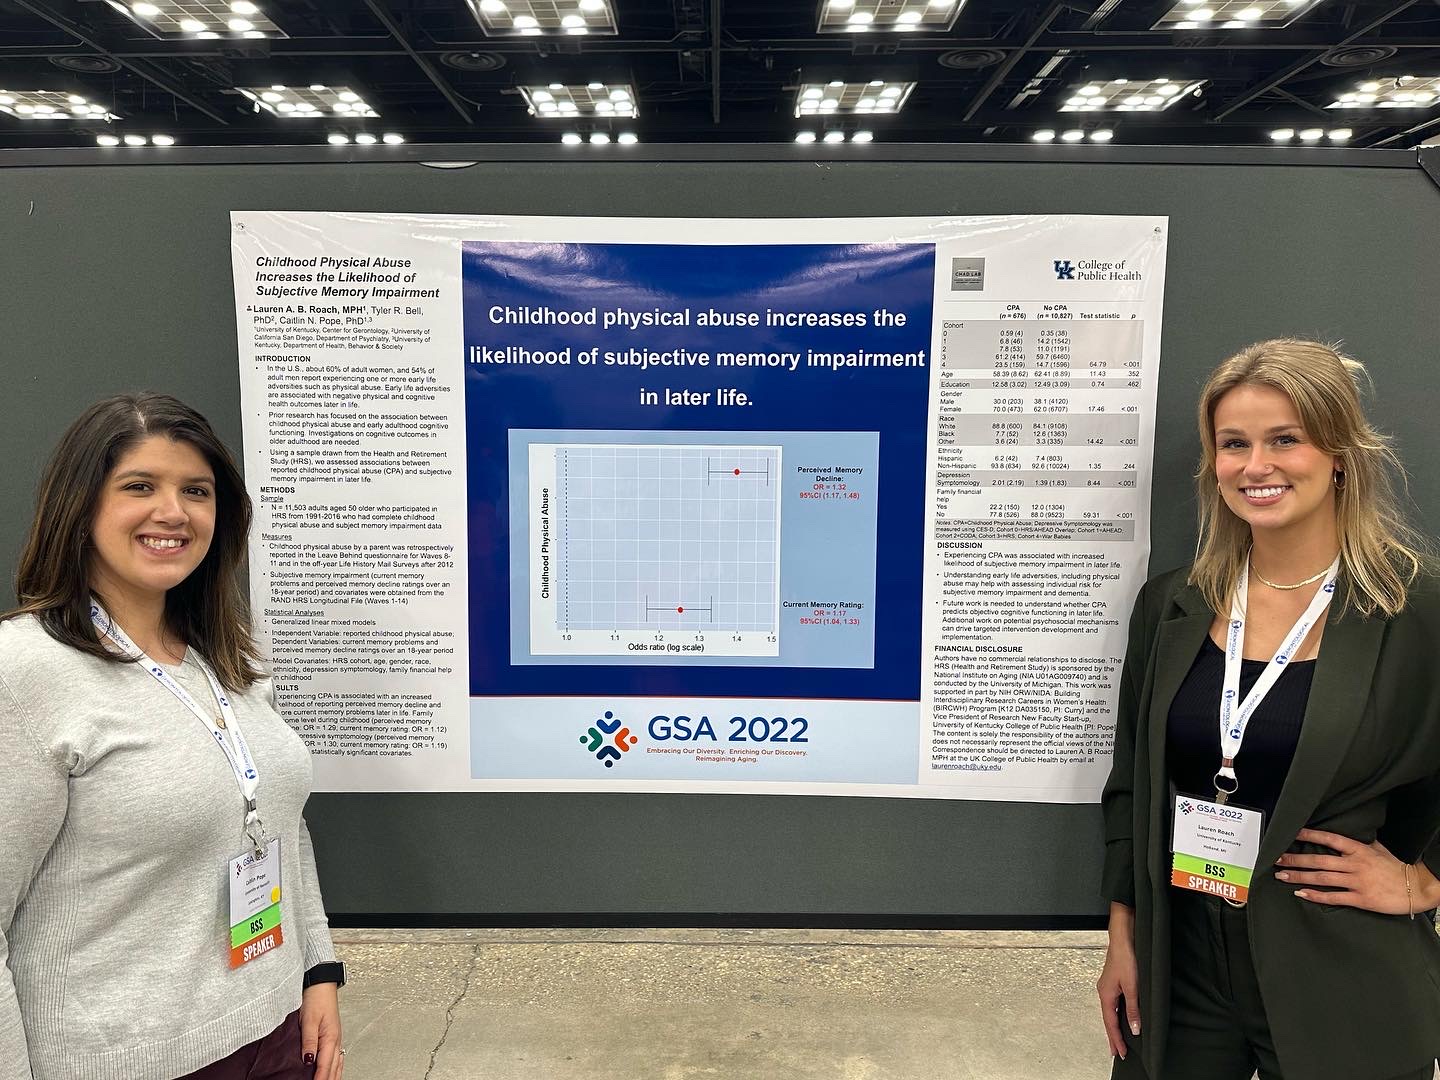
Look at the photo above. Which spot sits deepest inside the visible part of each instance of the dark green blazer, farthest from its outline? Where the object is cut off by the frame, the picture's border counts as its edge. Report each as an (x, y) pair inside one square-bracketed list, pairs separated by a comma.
[(1350, 995)]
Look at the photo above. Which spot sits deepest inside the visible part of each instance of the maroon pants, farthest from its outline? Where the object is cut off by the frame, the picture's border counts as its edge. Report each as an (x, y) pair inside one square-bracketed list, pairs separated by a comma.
[(275, 1057)]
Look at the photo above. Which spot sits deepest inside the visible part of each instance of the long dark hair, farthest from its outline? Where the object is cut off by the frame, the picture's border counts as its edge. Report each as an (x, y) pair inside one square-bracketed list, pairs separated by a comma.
[(207, 610)]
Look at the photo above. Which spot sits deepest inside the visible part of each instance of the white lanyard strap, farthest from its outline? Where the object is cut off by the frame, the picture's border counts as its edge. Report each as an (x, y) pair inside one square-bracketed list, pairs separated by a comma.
[(1235, 715), (226, 732)]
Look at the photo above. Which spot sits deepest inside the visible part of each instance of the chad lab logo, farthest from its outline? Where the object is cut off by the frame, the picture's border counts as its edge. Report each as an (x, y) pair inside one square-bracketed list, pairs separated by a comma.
[(620, 743), (1064, 270)]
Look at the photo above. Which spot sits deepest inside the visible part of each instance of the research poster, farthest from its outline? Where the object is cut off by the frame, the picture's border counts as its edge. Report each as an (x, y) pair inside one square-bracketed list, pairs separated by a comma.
[(811, 506)]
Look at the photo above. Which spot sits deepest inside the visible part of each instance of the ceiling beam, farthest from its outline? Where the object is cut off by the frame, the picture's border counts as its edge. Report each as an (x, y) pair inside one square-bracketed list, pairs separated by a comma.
[(1410, 133), (384, 46), (431, 73), (716, 51), (1328, 114), (142, 68), (1274, 81), (1001, 72)]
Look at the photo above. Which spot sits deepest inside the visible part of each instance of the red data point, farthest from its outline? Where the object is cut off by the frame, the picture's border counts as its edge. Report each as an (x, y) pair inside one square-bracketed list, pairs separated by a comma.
[(737, 472), (680, 610)]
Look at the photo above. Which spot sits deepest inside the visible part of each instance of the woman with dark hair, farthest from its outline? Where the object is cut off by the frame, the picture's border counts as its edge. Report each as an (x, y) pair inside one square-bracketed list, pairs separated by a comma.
[(1272, 812), (159, 910)]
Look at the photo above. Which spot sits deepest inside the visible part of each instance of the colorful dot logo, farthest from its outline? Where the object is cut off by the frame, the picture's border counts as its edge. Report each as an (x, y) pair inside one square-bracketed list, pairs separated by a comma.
[(1186, 806), (620, 743)]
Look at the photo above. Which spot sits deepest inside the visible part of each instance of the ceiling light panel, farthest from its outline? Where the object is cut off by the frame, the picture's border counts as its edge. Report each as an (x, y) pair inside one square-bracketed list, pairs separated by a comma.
[(1126, 95), (876, 96), (534, 18), (887, 16), (600, 100), (1233, 14), (310, 102), (201, 18), (1395, 92), (51, 105)]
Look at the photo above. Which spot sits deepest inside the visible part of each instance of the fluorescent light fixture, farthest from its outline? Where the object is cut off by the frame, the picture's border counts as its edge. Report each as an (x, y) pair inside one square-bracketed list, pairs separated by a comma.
[(1234, 14), (570, 138), (863, 137), (1396, 92), (107, 140), (1339, 134), (599, 138), (533, 18), (1127, 95), (1044, 135), (805, 137), (392, 138), (834, 136), (581, 99), (364, 138), (866, 16), (51, 105), (628, 138), (135, 140), (1282, 134), (1102, 135), (310, 102), (1074, 135), (854, 97), (1312, 134), (163, 140), (337, 138), (203, 19)]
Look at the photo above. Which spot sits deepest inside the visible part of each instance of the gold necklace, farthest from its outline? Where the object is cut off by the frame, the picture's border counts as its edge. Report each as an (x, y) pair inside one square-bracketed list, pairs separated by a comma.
[(1287, 588)]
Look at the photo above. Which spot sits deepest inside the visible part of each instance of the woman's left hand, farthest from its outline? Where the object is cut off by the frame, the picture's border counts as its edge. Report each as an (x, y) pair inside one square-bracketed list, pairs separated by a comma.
[(320, 1030), (1362, 876)]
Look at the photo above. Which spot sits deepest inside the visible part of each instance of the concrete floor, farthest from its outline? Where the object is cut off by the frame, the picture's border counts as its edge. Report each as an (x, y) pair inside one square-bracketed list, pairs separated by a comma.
[(721, 1005)]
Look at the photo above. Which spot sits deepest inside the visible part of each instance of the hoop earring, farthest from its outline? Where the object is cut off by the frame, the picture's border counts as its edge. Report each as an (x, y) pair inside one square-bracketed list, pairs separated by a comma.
[(1339, 479)]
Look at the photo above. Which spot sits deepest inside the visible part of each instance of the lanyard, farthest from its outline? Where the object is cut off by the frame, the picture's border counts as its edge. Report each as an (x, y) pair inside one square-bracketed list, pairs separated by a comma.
[(225, 729), (1234, 714)]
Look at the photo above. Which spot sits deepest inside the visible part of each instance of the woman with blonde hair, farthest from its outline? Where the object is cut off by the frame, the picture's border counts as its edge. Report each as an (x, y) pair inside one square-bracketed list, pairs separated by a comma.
[(159, 910), (1272, 811)]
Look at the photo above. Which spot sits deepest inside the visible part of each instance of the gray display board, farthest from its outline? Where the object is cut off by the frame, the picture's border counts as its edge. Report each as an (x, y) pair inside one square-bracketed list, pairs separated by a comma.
[(117, 278)]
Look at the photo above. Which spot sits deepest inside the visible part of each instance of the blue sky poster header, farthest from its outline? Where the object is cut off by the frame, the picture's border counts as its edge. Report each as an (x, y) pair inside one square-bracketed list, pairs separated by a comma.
[(823, 346)]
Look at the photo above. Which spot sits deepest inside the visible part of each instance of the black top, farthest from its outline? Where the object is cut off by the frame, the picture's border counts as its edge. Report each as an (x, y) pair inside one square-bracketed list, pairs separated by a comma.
[(1192, 743)]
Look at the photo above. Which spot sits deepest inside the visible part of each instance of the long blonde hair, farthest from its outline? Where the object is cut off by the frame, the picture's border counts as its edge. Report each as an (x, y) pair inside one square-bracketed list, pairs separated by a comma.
[(1380, 554)]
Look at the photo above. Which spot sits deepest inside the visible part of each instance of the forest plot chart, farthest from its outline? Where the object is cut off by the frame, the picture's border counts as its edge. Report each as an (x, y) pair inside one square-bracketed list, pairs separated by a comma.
[(661, 548)]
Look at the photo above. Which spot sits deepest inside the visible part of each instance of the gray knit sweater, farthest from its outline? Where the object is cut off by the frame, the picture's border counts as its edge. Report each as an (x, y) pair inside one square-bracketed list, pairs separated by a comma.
[(119, 816)]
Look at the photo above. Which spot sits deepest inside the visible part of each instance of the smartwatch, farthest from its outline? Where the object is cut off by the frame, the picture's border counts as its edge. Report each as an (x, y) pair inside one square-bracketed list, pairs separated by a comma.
[(333, 972)]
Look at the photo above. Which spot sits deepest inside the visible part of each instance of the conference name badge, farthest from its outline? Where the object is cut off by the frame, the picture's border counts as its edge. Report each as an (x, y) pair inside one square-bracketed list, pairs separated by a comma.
[(254, 904), (1215, 848)]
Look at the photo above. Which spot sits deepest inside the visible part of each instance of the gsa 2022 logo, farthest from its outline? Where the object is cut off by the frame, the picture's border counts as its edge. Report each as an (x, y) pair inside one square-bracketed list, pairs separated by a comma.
[(607, 753), (741, 729)]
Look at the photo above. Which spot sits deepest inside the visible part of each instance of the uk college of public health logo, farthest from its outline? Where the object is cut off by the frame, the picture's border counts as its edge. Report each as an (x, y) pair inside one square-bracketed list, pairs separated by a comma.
[(1186, 806), (1064, 270), (620, 743)]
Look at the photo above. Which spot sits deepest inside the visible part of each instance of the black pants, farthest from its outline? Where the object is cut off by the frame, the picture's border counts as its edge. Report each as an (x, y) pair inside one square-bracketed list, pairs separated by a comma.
[(1218, 1029), (275, 1057)]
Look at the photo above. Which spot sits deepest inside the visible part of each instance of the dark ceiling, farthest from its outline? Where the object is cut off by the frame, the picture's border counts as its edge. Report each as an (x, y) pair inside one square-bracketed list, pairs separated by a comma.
[(730, 71)]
